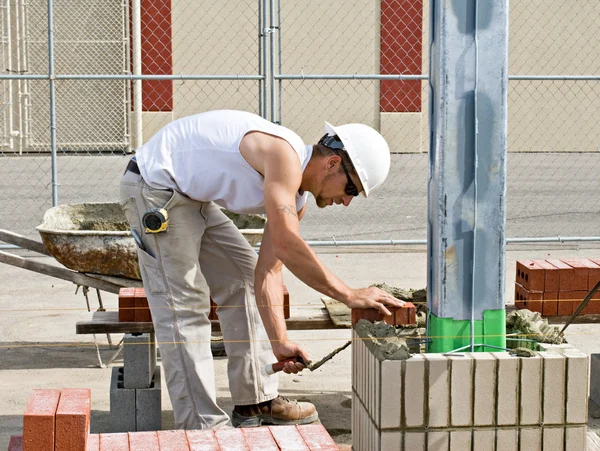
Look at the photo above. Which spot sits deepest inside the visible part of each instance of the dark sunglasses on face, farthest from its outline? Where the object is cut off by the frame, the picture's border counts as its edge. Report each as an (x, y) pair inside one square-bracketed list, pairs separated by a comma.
[(334, 143)]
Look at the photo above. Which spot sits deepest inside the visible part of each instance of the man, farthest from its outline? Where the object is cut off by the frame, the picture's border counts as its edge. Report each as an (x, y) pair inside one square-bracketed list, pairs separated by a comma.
[(246, 164)]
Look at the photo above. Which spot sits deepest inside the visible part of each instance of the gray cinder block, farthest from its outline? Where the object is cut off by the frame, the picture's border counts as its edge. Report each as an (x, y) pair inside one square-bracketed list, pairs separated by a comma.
[(139, 360), (148, 406), (122, 404), (595, 378)]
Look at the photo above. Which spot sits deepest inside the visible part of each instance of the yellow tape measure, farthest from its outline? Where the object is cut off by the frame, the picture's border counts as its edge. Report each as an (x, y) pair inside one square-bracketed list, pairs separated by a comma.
[(156, 220)]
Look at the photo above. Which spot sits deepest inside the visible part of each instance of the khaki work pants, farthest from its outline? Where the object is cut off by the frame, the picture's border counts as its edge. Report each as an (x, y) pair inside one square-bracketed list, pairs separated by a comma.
[(201, 252)]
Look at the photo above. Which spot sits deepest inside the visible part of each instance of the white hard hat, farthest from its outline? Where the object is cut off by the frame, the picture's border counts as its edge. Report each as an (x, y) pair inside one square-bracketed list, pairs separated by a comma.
[(368, 151)]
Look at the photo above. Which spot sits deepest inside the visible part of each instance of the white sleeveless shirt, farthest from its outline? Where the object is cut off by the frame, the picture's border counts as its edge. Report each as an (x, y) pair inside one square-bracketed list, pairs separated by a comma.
[(200, 157)]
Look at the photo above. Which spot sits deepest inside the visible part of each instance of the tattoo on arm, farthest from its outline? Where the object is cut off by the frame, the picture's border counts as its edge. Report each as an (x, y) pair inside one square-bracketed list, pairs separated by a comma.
[(287, 209)]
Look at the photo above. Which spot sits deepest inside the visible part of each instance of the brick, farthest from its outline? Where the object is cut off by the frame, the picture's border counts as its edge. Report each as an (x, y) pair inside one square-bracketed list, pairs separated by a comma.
[(143, 441), (577, 386), (317, 437), (402, 316), (93, 443), (122, 403), (148, 405), (138, 363), (438, 390), (507, 439), (414, 441), (288, 437), (172, 440), (507, 391), (553, 407), (460, 440), (528, 300), (593, 272), (570, 278), (576, 438), (391, 387), (204, 440), (126, 305), (141, 308), (595, 378), (530, 275), (232, 439), (259, 439), (390, 440), (550, 303), (582, 271), (39, 420), (414, 392), (73, 419), (568, 301), (530, 439), (553, 439), (15, 443), (114, 442), (551, 275), (530, 404), (438, 440), (461, 391), (484, 440), (484, 387)]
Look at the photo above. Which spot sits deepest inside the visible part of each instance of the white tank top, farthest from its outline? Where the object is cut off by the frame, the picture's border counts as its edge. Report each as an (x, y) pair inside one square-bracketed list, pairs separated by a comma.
[(200, 157)]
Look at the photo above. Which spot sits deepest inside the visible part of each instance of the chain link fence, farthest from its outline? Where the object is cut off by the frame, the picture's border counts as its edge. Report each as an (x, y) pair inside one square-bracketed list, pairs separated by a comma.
[(123, 69)]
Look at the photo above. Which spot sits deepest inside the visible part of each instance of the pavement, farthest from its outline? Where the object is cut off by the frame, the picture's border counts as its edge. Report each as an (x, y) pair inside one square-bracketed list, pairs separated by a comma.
[(39, 347)]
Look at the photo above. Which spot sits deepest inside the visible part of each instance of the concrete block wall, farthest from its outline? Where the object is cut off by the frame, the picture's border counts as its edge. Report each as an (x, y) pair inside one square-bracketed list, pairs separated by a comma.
[(475, 401)]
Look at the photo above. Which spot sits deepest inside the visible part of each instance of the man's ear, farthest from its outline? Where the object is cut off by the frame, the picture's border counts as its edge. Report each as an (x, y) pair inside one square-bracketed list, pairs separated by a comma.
[(333, 161)]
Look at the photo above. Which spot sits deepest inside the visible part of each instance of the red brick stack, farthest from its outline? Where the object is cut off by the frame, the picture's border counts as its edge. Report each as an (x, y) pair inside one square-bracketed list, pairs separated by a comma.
[(401, 316), (555, 287)]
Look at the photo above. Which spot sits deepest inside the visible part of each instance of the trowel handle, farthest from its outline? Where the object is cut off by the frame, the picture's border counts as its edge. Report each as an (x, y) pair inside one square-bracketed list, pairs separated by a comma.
[(278, 366)]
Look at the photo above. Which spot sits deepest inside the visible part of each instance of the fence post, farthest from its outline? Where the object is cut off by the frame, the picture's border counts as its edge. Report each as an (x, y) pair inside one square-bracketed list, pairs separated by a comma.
[(52, 88)]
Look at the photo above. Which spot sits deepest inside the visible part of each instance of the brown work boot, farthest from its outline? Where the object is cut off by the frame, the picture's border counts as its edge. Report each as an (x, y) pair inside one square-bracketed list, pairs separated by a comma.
[(277, 411)]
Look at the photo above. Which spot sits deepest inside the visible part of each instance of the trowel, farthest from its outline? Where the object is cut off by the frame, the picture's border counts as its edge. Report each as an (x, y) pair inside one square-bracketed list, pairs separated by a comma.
[(273, 368)]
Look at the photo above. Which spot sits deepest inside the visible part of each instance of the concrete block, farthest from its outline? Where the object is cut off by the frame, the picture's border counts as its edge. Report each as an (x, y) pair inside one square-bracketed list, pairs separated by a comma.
[(438, 440), (39, 420), (73, 419), (558, 349), (114, 442), (204, 440), (143, 441), (530, 439), (148, 405), (530, 379), (317, 437), (259, 439), (553, 407), (507, 392), (390, 440), (139, 356), (507, 439), (576, 438), (553, 439), (460, 440), (577, 386), (285, 436), (93, 443), (438, 390), (484, 439), (461, 391), (595, 378), (172, 440), (122, 403), (391, 389), (414, 392), (15, 443), (484, 387), (415, 441)]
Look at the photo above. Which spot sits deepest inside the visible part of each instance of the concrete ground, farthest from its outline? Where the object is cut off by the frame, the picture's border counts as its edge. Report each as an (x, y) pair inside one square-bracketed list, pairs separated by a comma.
[(39, 348)]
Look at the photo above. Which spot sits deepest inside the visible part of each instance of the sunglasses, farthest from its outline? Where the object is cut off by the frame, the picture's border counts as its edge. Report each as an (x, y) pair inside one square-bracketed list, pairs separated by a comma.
[(334, 143)]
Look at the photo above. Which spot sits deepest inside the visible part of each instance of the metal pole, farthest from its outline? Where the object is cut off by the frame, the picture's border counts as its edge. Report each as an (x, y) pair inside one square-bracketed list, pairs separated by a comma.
[(136, 33), (52, 86), (272, 52), (259, 69), (264, 53), (279, 81)]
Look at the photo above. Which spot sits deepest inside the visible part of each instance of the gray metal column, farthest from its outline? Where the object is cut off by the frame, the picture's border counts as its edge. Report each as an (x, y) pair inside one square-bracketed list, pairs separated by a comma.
[(467, 181)]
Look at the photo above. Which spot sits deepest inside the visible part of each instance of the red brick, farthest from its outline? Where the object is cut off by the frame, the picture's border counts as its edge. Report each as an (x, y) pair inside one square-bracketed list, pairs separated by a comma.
[(126, 305), (93, 442), (582, 271), (114, 442), (568, 301), (260, 439), (73, 419), (550, 304), (15, 443), (173, 440), (230, 439), (39, 420), (593, 274), (141, 309), (551, 275), (593, 306), (143, 441), (531, 300), (288, 437), (317, 437), (401, 316), (570, 279), (202, 440), (286, 302), (530, 275)]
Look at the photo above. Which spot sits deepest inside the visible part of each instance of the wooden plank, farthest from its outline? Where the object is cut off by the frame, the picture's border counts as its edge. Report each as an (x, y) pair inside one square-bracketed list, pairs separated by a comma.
[(21, 241), (108, 322)]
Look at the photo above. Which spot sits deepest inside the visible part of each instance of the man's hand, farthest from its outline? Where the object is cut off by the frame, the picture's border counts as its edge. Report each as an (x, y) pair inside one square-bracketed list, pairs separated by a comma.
[(373, 297), (287, 349)]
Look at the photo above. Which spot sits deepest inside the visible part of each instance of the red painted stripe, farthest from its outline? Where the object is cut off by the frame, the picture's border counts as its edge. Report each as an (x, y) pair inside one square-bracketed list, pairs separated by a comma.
[(401, 53)]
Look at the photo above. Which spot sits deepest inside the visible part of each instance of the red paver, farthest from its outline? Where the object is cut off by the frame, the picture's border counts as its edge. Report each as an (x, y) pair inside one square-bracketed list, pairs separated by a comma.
[(93, 442), (173, 440), (143, 441), (114, 442), (126, 305), (530, 275), (288, 438), (73, 419), (551, 275), (230, 439), (317, 438), (39, 420), (15, 443), (260, 439), (202, 440), (550, 304), (530, 300)]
